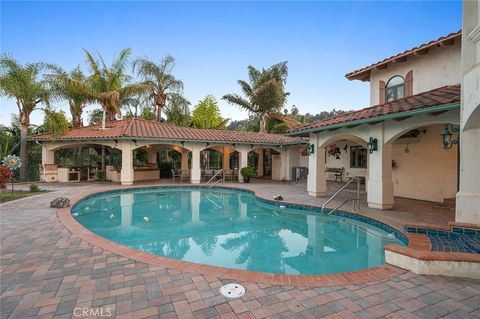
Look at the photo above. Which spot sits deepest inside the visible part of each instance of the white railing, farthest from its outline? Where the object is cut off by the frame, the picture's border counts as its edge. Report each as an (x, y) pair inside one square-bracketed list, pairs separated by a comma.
[(356, 200), (214, 176)]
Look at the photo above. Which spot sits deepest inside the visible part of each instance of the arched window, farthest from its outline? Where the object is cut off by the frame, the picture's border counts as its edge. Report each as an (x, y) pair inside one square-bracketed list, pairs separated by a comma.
[(395, 89)]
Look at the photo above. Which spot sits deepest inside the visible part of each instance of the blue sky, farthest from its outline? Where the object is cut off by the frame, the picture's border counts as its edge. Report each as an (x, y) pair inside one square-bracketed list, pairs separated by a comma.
[(214, 42)]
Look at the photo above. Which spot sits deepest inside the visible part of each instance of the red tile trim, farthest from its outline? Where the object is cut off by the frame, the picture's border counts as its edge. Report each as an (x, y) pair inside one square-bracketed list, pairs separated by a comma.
[(355, 277), (419, 247)]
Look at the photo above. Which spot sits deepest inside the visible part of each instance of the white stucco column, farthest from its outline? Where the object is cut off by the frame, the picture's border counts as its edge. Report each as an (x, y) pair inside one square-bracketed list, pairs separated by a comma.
[(196, 173), (127, 174), (184, 163), (316, 181), (243, 160), (468, 197), (48, 157), (260, 162), (126, 204), (380, 183)]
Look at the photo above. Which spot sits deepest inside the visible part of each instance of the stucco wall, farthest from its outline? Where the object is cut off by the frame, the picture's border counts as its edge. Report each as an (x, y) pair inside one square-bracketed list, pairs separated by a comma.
[(426, 171), (440, 67), (344, 162)]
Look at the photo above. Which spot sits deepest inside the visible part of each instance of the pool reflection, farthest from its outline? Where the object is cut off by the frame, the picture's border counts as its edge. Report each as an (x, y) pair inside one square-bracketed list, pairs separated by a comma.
[(232, 229)]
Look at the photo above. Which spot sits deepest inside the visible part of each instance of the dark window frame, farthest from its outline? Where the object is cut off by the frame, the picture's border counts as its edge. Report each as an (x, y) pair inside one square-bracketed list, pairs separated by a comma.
[(355, 156), (395, 89)]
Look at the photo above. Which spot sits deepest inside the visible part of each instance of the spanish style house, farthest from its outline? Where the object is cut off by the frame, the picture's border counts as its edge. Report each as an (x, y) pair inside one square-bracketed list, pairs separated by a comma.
[(405, 144)]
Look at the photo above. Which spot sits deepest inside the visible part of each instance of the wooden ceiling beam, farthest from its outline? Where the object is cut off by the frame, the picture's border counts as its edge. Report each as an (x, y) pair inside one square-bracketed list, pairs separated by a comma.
[(400, 59), (381, 66), (421, 52), (446, 43)]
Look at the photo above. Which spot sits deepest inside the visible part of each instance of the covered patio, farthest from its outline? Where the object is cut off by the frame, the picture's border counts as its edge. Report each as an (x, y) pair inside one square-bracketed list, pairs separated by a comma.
[(133, 150), (395, 148)]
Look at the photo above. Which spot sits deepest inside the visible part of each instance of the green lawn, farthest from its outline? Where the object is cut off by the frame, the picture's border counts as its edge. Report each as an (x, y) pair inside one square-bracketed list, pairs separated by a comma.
[(6, 196)]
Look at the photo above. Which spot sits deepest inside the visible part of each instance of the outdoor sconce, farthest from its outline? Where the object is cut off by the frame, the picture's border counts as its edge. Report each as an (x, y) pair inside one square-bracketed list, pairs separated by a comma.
[(311, 148), (183, 143), (447, 137), (372, 145)]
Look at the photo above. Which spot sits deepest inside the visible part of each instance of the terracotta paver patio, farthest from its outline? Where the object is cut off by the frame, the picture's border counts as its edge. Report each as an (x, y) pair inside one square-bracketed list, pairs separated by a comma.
[(47, 272)]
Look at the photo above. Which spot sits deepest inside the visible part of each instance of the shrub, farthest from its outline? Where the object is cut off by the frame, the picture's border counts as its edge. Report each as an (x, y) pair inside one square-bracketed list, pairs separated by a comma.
[(101, 176), (34, 188), (247, 171)]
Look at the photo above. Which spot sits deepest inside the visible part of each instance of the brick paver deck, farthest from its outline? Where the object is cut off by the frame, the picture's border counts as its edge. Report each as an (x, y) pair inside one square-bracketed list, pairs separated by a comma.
[(47, 272)]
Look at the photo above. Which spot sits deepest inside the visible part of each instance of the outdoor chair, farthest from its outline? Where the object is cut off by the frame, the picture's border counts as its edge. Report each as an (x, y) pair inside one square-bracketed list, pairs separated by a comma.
[(228, 174), (175, 175), (208, 173)]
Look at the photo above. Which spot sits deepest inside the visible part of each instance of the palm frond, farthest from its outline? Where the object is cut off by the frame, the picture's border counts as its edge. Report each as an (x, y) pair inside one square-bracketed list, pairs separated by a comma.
[(239, 101)]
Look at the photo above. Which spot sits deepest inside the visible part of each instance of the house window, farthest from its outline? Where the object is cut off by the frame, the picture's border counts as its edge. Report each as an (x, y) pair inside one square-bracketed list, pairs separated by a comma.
[(395, 89), (358, 157)]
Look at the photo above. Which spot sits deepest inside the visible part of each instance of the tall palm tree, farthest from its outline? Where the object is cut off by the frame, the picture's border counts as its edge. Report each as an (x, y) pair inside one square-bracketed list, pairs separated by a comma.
[(264, 94), (106, 85), (29, 88), (76, 101), (163, 84)]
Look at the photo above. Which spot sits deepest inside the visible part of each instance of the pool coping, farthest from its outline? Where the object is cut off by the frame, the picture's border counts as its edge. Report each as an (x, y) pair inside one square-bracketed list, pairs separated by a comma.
[(345, 278)]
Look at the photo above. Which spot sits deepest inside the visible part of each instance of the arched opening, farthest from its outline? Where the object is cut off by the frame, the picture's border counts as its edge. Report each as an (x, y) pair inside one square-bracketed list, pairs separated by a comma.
[(346, 157), (422, 168), (75, 162)]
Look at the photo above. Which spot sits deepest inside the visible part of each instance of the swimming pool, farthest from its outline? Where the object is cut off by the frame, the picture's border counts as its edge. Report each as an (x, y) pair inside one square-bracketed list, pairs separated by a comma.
[(234, 229)]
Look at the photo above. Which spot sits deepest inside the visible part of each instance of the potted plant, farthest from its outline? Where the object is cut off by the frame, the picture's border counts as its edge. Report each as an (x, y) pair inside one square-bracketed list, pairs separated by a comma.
[(247, 172)]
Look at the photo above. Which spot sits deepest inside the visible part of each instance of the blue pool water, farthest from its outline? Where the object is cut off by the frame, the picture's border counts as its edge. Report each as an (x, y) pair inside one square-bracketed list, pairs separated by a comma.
[(233, 229)]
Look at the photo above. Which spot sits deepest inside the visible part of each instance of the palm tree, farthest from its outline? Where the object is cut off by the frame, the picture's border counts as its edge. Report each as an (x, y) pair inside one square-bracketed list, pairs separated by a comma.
[(177, 111), (29, 88), (163, 84), (264, 94), (77, 102), (106, 85)]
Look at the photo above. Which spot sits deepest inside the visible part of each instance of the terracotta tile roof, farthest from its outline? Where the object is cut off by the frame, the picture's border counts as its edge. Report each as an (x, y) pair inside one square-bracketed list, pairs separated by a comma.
[(363, 74), (143, 129), (430, 99)]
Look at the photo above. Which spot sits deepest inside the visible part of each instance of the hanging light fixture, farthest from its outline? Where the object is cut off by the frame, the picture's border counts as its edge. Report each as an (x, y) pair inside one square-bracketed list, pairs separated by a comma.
[(447, 136), (372, 145)]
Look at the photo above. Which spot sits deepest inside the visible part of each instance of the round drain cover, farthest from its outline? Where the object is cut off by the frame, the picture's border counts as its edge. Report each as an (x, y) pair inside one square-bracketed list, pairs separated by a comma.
[(232, 290)]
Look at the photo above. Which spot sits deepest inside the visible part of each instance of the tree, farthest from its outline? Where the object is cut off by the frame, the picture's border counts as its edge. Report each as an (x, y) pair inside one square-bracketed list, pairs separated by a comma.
[(264, 94), (177, 111), (162, 83), (95, 117), (106, 85), (29, 88), (207, 115), (77, 101), (54, 121)]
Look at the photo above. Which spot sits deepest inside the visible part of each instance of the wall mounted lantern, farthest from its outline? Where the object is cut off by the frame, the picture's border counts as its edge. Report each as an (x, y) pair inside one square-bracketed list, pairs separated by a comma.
[(372, 145), (447, 136), (311, 148)]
